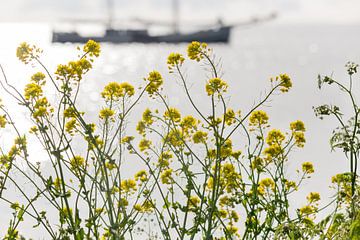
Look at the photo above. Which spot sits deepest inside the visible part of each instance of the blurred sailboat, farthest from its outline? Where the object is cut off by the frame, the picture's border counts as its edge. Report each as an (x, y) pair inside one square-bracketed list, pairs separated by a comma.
[(218, 32)]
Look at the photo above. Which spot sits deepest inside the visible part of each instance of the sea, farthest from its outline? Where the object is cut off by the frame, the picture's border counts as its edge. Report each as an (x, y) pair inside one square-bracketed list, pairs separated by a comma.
[(253, 55)]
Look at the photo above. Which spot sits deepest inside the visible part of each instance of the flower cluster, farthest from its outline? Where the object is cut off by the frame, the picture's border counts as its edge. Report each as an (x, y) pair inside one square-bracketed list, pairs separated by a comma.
[(298, 129), (284, 81), (197, 50), (175, 60), (154, 82), (216, 85), (258, 118)]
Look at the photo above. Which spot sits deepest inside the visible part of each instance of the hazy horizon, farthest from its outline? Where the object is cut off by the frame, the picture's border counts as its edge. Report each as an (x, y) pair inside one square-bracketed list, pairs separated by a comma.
[(290, 11)]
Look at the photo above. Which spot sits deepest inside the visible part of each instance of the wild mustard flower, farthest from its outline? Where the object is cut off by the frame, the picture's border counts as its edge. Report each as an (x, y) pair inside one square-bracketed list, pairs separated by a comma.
[(38, 78), (147, 206), (106, 113), (189, 123), (307, 210), (216, 86), (226, 149), (92, 48), (77, 162), (193, 203), (141, 176), (127, 139), (113, 91), (144, 145), (26, 53), (166, 176), (313, 197), (172, 114), (174, 59), (128, 88), (234, 216), (154, 81), (175, 138), (128, 186), (147, 117), (140, 127), (164, 159), (231, 229), (258, 118), (265, 185), (299, 139), (308, 167), (275, 137), (284, 81), (32, 90), (196, 50), (297, 126), (229, 117), (199, 137), (3, 121), (70, 126)]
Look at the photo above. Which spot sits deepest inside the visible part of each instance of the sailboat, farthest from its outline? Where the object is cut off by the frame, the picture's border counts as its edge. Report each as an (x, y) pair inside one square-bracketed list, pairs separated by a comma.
[(217, 33)]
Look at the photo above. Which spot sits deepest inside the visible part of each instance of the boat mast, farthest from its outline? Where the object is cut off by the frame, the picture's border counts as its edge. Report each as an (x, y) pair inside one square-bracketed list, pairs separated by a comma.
[(175, 6), (110, 12)]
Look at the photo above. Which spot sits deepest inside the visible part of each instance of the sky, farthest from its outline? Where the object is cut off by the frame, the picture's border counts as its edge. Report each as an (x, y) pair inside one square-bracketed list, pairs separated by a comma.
[(290, 11)]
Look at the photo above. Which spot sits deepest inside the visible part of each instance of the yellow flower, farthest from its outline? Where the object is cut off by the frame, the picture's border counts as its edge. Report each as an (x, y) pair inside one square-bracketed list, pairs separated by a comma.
[(147, 117), (231, 229), (128, 88), (188, 123), (306, 210), (297, 126), (146, 207), (141, 175), (106, 113), (166, 177), (38, 78), (273, 151), (175, 59), (196, 50), (308, 167), (113, 91), (275, 137), (216, 85), (172, 114), (3, 121), (140, 127), (284, 82), (200, 137), (222, 213), (25, 53), (229, 117), (155, 81), (258, 117), (313, 197), (77, 162), (128, 185), (194, 201), (127, 139), (92, 47), (69, 112), (226, 149), (299, 139), (144, 144), (70, 126), (234, 215), (32, 90), (266, 183), (164, 158), (174, 138)]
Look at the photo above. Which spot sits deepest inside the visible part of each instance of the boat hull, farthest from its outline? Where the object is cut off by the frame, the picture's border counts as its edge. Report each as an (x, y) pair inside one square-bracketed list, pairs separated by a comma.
[(220, 34)]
